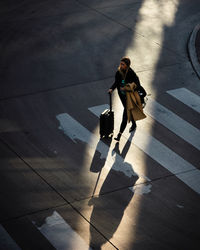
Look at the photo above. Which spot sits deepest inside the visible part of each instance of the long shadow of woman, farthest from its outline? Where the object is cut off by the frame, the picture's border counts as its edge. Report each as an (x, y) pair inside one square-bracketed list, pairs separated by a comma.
[(114, 197)]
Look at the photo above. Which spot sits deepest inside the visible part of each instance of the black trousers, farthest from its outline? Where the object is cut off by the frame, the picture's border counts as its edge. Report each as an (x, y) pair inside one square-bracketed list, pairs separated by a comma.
[(124, 117)]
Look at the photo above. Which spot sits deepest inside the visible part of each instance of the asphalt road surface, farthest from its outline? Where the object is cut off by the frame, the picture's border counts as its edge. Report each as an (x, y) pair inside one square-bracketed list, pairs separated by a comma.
[(61, 186)]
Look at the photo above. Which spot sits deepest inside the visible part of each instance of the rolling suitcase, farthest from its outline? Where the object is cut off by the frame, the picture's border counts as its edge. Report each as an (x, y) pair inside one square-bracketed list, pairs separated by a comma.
[(107, 121)]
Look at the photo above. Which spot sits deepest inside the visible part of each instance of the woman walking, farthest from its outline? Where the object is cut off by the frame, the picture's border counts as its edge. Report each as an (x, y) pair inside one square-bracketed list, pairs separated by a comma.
[(127, 81)]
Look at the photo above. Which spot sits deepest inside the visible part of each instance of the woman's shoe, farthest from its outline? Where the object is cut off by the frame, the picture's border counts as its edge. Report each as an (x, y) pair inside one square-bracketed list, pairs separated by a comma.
[(118, 137)]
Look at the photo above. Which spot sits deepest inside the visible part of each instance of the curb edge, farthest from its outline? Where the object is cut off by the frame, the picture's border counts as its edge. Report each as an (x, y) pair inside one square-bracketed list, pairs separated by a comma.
[(192, 50)]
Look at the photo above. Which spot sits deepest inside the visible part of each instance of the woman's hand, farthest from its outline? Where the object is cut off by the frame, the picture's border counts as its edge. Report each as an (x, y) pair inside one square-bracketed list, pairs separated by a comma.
[(110, 91)]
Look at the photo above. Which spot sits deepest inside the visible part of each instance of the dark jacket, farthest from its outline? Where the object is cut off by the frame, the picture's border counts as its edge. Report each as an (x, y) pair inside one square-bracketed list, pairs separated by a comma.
[(130, 77)]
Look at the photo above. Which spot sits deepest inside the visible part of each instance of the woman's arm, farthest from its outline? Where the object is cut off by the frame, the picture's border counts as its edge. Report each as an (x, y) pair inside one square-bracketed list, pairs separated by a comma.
[(116, 82)]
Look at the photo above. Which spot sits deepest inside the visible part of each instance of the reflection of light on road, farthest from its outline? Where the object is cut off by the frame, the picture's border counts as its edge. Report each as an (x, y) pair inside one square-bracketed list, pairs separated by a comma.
[(144, 51), (146, 46), (153, 17)]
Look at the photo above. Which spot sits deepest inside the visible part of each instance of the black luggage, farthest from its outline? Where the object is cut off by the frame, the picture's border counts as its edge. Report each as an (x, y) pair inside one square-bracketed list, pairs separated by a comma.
[(107, 121)]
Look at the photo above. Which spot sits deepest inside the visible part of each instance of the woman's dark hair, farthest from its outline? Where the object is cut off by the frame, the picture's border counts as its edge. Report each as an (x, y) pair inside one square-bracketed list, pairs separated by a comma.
[(126, 60)]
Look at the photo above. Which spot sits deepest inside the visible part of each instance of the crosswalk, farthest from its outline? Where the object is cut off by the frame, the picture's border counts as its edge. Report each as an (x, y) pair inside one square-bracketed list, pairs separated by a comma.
[(173, 122), (56, 230), (166, 157), (187, 97), (60, 234)]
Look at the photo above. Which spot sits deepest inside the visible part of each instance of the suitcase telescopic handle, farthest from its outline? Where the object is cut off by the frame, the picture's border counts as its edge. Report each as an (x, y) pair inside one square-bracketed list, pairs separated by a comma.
[(110, 98)]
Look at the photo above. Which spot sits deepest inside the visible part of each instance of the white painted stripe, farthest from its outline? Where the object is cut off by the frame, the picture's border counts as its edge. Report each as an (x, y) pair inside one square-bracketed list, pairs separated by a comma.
[(173, 122), (187, 97), (6, 242), (76, 131), (169, 160), (185, 171), (97, 110), (60, 234)]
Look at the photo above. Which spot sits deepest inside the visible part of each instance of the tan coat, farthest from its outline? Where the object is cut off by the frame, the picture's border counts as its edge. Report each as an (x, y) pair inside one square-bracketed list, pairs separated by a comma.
[(133, 102)]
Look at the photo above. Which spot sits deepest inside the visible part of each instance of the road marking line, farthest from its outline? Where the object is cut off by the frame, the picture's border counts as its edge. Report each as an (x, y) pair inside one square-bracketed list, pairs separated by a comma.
[(6, 242), (168, 159), (97, 110), (187, 97), (183, 170), (173, 122), (76, 131), (60, 234)]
